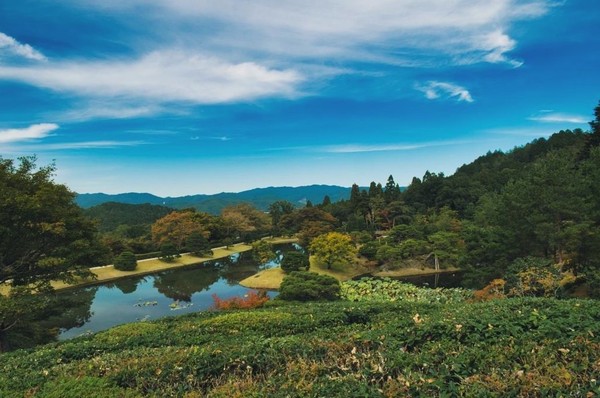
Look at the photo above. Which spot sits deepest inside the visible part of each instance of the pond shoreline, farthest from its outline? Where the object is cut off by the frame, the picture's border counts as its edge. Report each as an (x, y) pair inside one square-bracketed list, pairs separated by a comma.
[(108, 273)]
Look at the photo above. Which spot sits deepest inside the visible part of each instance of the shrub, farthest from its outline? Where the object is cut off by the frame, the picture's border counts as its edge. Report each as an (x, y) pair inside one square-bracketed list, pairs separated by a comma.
[(168, 252), (126, 261), (294, 261), (369, 250), (534, 276), (308, 286), (252, 299), (494, 290)]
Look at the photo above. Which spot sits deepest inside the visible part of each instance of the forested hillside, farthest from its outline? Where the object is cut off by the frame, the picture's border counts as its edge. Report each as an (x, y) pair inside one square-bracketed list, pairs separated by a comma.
[(111, 215)]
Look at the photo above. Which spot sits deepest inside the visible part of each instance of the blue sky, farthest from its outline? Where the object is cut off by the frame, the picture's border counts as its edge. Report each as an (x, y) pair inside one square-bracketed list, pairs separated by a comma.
[(197, 96)]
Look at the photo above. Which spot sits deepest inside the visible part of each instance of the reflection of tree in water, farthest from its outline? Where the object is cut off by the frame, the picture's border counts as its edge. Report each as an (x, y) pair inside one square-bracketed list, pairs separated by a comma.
[(236, 270), (64, 310), (182, 284), (238, 267), (127, 285)]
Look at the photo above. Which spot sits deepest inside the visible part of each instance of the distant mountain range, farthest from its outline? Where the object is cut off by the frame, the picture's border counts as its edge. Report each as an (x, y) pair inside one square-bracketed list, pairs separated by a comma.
[(261, 198)]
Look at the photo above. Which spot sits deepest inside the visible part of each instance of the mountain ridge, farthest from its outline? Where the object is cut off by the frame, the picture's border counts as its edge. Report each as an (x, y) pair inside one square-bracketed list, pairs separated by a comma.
[(259, 197)]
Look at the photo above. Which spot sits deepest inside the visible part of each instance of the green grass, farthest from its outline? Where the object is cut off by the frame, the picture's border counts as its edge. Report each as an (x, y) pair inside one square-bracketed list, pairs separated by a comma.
[(506, 348)]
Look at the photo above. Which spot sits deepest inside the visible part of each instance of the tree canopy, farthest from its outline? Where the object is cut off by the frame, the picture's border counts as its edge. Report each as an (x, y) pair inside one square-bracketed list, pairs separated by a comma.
[(43, 234), (332, 248)]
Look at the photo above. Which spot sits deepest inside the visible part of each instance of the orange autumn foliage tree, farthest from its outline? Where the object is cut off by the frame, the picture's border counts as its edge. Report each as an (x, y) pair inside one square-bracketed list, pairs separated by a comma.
[(176, 228)]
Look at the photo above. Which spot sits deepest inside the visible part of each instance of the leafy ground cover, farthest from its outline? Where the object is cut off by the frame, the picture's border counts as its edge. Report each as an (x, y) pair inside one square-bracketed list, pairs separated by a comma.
[(386, 289), (526, 347)]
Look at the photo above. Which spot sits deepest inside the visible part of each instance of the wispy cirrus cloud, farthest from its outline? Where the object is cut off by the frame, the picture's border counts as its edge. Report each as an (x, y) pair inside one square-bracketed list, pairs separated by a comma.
[(9, 45), (393, 147), (444, 90), (557, 117), (161, 76), (33, 132), (64, 146), (458, 31), (92, 112)]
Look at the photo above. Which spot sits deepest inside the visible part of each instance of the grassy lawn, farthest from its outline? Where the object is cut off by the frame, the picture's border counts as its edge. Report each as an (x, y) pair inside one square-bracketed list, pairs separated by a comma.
[(267, 279), (271, 278), (280, 240)]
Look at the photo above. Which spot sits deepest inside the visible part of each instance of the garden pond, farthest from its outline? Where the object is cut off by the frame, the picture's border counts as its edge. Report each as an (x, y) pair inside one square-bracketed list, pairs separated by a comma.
[(183, 290)]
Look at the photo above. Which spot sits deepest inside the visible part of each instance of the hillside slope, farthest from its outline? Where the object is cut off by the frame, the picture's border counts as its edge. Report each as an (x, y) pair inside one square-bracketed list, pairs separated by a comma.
[(513, 347)]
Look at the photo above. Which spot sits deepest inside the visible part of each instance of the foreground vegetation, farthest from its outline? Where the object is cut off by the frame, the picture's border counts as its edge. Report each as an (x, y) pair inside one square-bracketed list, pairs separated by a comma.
[(413, 346)]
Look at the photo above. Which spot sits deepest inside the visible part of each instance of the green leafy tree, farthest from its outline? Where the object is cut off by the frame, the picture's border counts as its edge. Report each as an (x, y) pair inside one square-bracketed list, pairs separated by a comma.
[(43, 237), (294, 261), (392, 190), (308, 286), (333, 248), (168, 252), (198, 245), (126, 261), (277, 210)]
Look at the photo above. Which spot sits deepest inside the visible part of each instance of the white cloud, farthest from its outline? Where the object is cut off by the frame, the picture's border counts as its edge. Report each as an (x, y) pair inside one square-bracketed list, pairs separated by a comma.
[(35, 131), (555, 117), (436, 90), (161, 77), (13, 47), (495, 46), (109, 112), (459, 31)]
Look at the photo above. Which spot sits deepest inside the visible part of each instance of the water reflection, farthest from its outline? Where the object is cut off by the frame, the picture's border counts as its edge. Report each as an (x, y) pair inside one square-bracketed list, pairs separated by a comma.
[(167, 293)]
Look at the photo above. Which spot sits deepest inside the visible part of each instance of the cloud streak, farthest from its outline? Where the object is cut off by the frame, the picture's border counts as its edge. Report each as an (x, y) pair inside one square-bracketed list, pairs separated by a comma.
[(161, 76), (556, 117), (359, 148), (33, 132), (444, 90), (11, 46)]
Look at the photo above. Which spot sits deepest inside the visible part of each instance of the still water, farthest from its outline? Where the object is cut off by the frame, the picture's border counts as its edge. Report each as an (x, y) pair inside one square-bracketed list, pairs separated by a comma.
[(167, 293)]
